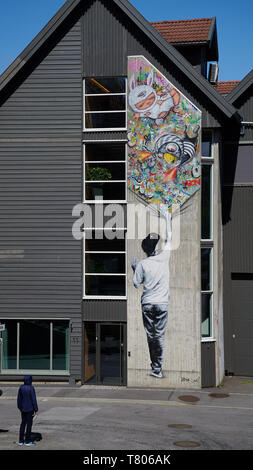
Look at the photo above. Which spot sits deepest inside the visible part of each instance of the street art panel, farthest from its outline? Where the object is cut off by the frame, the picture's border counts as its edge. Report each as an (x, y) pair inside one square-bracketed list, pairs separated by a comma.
[(163, 138), (164, 130)]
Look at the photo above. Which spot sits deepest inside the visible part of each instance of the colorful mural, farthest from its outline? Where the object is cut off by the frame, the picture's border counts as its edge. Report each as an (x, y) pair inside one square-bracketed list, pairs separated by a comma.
[(163, 138)]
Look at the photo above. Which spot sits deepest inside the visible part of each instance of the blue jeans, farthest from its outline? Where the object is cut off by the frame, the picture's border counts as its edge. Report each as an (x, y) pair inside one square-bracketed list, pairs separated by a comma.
[(155, 317)]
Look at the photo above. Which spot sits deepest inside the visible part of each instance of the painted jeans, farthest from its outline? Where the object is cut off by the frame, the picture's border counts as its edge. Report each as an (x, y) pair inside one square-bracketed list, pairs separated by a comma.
[(155, 318)]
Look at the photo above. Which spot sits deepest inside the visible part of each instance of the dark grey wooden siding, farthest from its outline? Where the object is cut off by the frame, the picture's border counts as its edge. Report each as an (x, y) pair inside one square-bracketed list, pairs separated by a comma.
[(109, 37), (237, 254), (103, 135), (104, 310), (40, 182), (208, 364), (237, 233), (237, 163), (245, 105)]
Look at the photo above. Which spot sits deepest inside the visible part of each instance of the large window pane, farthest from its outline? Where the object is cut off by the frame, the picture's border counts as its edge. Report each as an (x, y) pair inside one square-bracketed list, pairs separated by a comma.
[(105, 263), (206, 144), (105, 103), (105, 85), (206, 149), (34, 345), (105, 120), (61, 345), (206, 269), (9, 348), (107, 191), (105, 152), (105, 171), (206, 327), (105, 244), (206, 202), (105, 285)]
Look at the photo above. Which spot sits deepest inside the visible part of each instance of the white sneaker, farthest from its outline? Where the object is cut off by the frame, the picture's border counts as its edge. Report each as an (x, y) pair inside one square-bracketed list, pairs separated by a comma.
[(30, 444), (158, 375)]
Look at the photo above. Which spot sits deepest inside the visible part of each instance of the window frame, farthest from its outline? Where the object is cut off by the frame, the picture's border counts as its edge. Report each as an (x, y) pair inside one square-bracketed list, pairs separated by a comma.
[(210, 292), (103, 129), (50, 371), (103, 201), (104, 297), (208, 243)]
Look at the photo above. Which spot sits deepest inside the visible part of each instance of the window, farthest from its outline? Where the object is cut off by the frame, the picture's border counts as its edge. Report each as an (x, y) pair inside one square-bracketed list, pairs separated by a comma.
[(206, 290), (105, 188), (207, 236), (105, 264), (206, 202), (105, 103), (206, 144), (105, 171), (35, 345)]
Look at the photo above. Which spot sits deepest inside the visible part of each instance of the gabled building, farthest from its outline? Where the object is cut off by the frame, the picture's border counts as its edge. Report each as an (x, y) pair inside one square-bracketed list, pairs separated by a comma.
[(195, 39), (237, 221), (75, 136)]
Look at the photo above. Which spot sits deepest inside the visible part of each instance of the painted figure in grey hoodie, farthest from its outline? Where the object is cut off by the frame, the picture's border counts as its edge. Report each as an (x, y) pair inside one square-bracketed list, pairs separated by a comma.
[(153, 273)]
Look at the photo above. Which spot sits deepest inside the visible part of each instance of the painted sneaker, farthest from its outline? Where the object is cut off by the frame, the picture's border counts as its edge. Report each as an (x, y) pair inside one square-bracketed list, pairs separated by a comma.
[(30, 444), (158, 375)]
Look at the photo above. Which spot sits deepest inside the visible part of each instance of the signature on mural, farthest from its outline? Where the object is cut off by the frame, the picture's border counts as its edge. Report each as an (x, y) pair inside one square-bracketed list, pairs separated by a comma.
[(163, 138)]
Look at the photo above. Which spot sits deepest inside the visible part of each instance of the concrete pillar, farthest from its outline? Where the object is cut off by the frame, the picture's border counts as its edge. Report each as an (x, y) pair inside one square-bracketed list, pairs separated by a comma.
[(182, 354)]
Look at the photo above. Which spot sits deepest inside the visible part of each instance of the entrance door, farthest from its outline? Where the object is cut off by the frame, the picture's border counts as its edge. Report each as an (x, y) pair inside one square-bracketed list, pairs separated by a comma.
[(242, 324), (104, 353)]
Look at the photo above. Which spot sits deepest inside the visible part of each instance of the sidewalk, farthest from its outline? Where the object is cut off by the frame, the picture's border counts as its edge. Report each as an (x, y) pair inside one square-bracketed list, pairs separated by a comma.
[(234, 386)]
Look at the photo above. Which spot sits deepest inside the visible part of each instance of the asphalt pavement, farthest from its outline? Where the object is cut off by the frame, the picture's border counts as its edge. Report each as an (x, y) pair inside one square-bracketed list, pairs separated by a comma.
[(90, 418)]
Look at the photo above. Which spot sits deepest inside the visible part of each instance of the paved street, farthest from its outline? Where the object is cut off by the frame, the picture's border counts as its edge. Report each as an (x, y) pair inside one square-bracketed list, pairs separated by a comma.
[(107, 418)]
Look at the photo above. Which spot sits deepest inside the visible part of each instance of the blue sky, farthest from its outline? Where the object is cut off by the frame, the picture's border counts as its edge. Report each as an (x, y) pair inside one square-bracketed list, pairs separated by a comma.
[(21, 20)]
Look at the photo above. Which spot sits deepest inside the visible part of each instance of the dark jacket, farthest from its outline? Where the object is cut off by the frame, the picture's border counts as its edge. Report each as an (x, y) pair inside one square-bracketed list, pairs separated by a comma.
[(26, 400)]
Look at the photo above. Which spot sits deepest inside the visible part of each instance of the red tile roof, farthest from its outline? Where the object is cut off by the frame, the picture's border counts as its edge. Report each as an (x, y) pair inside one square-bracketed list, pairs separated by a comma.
[(196, 30), (226, 87)]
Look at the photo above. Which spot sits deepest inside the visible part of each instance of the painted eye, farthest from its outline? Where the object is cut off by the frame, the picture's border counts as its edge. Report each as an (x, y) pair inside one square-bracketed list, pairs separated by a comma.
[(141, 94), (172, 148)]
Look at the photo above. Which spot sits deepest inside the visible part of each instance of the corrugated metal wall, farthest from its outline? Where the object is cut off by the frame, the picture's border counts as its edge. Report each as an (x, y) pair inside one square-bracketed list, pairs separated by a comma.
[(40, 182)]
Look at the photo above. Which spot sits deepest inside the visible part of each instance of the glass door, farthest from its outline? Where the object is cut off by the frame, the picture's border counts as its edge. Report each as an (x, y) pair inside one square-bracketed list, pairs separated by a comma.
[(104, 353)]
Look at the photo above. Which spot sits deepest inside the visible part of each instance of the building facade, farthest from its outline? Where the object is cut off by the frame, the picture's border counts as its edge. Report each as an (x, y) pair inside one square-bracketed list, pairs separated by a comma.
[(68, 140)]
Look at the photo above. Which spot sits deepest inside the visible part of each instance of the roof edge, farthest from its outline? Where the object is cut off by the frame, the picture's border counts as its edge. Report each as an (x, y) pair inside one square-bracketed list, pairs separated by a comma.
[(36, 42), (212, 29), (242, 86), (185, 66), (170, 51)]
